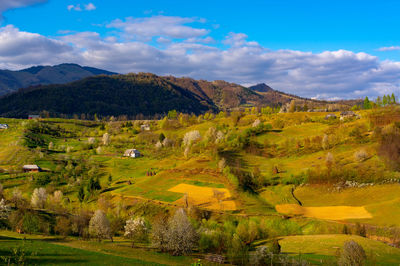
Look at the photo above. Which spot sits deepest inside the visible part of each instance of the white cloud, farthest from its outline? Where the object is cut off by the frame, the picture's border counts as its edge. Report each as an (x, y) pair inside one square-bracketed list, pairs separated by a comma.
[(11, 4), (328, 75), (74, 7), (389, 48), (87, 7), (158, 26), (90, 7)]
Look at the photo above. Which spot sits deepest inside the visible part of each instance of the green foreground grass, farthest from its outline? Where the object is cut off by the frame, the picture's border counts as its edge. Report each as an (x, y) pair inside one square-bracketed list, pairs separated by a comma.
[(322, 249), (51, 250)]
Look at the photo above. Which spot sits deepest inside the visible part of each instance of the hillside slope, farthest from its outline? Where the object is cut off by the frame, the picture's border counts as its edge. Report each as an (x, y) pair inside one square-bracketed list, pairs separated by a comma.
[(131, 94), (44, 75)]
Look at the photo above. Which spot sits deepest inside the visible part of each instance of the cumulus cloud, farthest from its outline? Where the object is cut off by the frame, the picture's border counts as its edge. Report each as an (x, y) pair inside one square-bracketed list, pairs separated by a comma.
[(19, 49), (158, 26), (327, 75), (389, 48)]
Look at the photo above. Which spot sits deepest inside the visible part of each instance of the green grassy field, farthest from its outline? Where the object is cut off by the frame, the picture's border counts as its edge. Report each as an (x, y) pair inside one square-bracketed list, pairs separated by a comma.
[(325, 247)]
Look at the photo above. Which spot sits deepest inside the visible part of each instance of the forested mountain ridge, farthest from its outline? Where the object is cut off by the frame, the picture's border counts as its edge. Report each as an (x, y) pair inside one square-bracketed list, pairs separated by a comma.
[(11, 81)]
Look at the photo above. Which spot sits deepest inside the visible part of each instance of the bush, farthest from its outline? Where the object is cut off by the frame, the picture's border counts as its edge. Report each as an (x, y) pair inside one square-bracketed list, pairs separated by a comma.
[(352, 254), (30, 223)]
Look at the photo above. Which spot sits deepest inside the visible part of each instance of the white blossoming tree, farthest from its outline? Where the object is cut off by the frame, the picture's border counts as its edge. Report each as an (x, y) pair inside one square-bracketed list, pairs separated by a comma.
[(191, 137), (39, 198), (136, 229), (182, 237), (4, 210), (99, 226)]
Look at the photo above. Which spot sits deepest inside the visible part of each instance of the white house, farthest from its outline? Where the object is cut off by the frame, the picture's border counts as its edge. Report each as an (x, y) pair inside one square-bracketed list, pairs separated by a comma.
[(3, 126), (134, 153), (145, 127)]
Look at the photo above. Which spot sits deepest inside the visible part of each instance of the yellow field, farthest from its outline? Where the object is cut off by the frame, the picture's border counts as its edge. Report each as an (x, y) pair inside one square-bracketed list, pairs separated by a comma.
[(326, 213), (205, 197)]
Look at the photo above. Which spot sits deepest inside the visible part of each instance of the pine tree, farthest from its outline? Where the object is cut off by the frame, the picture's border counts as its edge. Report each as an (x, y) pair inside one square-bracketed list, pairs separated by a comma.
[(367, 103)]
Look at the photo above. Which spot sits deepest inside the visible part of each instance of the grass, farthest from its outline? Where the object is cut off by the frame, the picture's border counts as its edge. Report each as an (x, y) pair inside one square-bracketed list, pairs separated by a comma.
[(52, 250), (317, 247), (42, 252), (381, 201)]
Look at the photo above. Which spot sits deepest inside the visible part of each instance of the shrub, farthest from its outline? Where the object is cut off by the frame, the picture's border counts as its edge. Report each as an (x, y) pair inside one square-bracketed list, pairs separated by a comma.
[(30, 223), (352, 254), (361, 155)]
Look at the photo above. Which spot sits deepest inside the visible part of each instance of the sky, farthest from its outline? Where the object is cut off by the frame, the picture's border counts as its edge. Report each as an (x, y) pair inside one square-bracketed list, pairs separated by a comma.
[(317, 49)]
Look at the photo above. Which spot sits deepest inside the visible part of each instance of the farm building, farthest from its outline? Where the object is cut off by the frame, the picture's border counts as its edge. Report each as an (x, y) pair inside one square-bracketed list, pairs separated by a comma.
[(33, 116), (3, 126), (134, 153), (145, 128), (330, 116), (31, 168), (348, 114)]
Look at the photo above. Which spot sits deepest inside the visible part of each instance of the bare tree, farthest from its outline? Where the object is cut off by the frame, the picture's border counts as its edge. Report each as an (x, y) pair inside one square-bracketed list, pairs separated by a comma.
[(99, 226), (39, 198), (136, 229), (352, 254)]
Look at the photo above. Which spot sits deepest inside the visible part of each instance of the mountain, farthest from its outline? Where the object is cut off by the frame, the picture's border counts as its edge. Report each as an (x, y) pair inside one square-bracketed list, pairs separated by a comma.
[(149, 95), (262, 87), (130, 95), (43, 75), (223, 94)]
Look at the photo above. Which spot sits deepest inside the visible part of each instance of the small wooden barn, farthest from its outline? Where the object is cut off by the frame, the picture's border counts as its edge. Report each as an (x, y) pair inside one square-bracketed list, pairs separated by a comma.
[(134, 153)]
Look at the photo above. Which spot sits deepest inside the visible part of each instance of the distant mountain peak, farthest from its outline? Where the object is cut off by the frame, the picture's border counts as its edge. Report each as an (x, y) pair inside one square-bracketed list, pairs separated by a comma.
[(262, 87), (11, 81)]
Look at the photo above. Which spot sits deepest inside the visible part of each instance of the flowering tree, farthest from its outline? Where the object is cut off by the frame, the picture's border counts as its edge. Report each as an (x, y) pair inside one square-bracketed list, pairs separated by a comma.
[(181, 236), (4, 210), (191, 137), (99, 226), (39, 197), (106, 139), (136, 229)]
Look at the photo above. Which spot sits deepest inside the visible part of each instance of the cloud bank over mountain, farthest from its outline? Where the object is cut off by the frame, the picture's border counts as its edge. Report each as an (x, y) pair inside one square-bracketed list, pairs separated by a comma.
[(183, 46)]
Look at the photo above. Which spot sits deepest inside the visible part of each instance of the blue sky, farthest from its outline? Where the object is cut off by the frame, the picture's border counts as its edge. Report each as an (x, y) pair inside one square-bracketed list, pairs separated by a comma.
[(312, 48)]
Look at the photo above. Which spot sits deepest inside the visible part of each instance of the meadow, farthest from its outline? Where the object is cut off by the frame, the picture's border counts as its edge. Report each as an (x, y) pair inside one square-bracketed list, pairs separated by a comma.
[(295, 177)]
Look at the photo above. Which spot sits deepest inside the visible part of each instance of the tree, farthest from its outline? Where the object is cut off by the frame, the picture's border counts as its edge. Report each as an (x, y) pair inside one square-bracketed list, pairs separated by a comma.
[(106, 139), (393, 99), (63, 226), (172, 114), (99, 226), (136, 229), (191, 137), (378, 101), (81, 194), (238, 252), (4, 210), (160, 232), (51, 145), (292, 106), (367, 103), (161, 137), (182, 237), (352, 254), (39, 197)]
